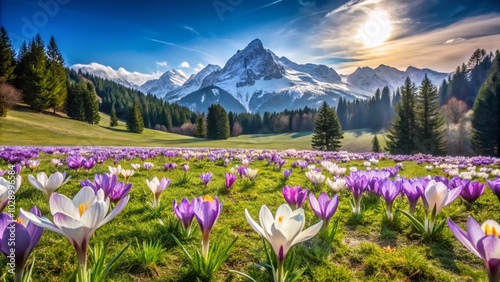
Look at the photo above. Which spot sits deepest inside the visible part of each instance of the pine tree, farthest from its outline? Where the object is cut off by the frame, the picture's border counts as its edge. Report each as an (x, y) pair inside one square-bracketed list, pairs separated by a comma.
[(201, 126), (217, 123), (375, 144), (7, 57), (401, 136), (327, 130), (58, 76), (134, 118), (113, 120), (486, 116), (429, 122)]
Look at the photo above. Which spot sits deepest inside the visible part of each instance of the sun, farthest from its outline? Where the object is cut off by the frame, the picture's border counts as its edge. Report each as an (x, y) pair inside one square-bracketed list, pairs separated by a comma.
[(376, 30)]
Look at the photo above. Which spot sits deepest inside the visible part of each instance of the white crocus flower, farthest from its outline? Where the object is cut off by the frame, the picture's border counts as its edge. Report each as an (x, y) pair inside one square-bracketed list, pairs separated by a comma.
[(436, 197), (283, 231), (79, 218), (315, 177), (115, 170), (127, 173), (48, 184), (7, 188), (156, 186), (251, 173), (336, 185), (135, 166)]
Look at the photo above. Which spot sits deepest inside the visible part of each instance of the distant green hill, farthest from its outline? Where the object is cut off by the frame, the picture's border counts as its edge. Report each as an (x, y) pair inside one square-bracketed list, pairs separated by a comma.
[(24, 127)]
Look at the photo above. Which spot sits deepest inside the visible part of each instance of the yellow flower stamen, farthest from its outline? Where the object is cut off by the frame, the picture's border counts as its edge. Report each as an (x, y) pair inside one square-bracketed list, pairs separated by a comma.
[(280, 219), (83, 207), (207, 198), (20, 220), (490, 230)]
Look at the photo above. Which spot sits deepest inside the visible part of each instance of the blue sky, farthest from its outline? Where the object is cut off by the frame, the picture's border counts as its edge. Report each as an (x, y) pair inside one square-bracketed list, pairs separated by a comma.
[(154, 36)]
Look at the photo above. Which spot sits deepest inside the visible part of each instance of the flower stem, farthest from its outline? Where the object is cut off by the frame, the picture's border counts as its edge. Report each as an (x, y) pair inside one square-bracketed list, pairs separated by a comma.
[(281, 270), (18, 276)]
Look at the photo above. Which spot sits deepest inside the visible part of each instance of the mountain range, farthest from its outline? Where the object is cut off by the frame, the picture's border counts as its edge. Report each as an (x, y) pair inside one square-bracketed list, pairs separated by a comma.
[(257, 80)]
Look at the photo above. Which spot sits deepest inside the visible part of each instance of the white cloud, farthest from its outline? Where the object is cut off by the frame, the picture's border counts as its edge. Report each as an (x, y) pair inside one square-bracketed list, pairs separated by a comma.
[(454, 40), (199, 67), (122, 74), (184, 65), (162, 64), (191, 29)]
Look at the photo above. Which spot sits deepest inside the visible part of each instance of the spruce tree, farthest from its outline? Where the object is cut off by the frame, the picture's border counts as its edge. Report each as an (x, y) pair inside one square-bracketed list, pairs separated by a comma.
[(486, 114), (385, 107), (75, 101), (58, 76), (327, 130), (401, 136), (134, 118), (429, 121), (90, 104), (113, 120), (201, 127), (342, 112), (375, 144), (217, 123), (7, 57), (35, 77)]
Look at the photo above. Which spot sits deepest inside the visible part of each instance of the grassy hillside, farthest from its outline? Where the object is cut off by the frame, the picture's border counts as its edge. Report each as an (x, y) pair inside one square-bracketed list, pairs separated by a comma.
[(24, 127)]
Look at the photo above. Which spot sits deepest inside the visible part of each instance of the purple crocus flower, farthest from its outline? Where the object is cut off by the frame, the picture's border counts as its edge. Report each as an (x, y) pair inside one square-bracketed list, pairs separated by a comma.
[(170, 166), (324, 207), (482, 241), (206, 177), (17, 169), (303, 165), (456, 182), (185, 213), (495, 186), (185, 167), (389, 191), (207, 211), (357, 184), (26, 238), (472, 191), (242, 170), (230, 179), (113, 189), (119, 192), (413, 189), (295, 197), (75, 162), (287, 173), (88, 163)]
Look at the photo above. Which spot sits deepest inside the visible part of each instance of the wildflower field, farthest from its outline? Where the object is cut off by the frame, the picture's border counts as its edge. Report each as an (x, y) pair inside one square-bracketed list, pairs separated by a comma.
[(171, 214)]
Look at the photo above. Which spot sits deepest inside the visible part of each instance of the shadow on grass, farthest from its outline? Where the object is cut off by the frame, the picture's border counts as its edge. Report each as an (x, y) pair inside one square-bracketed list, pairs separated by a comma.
[(442, 250), (25, 108), (115, 129), (300, 134)]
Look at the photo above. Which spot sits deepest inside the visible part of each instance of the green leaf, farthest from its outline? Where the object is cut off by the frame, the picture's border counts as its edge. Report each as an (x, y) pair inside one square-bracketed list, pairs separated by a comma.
[(413, 220)]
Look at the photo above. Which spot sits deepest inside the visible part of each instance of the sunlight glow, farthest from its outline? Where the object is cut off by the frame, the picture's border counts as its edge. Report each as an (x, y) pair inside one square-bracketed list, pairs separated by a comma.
[(376, 30)]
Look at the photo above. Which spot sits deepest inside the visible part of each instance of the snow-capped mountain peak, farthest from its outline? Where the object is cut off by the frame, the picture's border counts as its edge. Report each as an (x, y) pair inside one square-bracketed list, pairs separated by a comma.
[(167, 82), (192, 84)]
